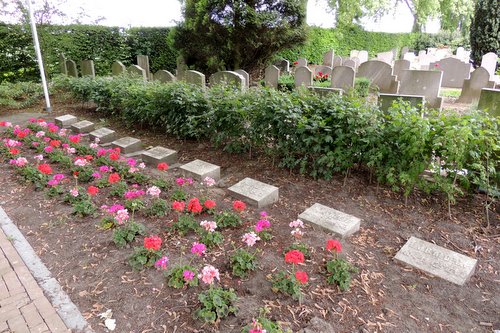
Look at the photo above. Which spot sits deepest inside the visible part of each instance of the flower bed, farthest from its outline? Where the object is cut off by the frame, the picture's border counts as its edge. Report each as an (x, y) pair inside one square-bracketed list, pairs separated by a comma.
[(194, 236)]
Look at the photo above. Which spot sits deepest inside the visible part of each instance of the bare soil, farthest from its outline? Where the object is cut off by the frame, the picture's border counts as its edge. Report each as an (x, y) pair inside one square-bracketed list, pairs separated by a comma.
[(385, 296)]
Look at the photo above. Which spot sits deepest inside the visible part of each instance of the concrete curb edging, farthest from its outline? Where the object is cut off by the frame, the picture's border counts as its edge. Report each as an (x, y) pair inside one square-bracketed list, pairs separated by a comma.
[(66, 309)]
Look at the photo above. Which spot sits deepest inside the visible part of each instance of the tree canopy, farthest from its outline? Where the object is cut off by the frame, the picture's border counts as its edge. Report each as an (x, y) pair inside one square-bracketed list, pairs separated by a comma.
[(485, 29), (234, 34)]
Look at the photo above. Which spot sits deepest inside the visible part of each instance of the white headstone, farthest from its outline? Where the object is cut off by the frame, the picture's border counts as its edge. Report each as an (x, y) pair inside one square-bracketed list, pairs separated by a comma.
[(400, 65), (328, 58), (337, 61), (471, 91), (137, 71), (195, 77), (454, 72), (303, 77), (489, 62), (143, 62), (422, 83), (362, 56), (245, 75), (437, 260), (343, 77), (380, 74), (271, 76), (386, 57), (228, 78), (164, 76)]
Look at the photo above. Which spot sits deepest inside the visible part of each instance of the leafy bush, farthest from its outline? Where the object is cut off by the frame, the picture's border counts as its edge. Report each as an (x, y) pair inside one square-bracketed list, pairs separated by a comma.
[(243, 261), (338, 271), (216, 303), (20, 95)]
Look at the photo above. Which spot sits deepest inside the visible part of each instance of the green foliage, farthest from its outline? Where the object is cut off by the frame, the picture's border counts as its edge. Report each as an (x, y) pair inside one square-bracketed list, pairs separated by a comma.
[(176, 277), (142, 257), (32, 175), (17, 54), (84, 208), (451, 39), (19, 95), (134, 205), (216, 303), (127, 233), (264, 323), (362, 87), (210, 239), (313, 135), (351, 11), (343, 40), (217, 35), (287, 284), (243, 261), (118, 189), (157, 43), (227, 219), (185, 223), (158, 207), (338, 271), (485, 29)]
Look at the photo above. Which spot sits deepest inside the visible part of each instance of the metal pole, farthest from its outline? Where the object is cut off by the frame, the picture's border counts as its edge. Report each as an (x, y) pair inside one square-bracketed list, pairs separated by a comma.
[(39, 57)]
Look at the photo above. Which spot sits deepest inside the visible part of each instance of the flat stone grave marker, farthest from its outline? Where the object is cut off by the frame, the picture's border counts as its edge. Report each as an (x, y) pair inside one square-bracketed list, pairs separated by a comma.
[(159, 154), (66, 121), (104, 134), (385, 100), (199, 169), (437, 260), (83, 126), (127, 144), (336, 221), (255, 192)]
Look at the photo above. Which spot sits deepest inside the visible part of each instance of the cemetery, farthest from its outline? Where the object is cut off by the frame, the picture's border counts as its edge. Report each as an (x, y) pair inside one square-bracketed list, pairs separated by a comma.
[(354, 193)]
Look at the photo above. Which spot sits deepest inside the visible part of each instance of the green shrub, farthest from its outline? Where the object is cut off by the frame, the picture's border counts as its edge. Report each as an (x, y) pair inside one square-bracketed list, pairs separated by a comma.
[(20, 95)]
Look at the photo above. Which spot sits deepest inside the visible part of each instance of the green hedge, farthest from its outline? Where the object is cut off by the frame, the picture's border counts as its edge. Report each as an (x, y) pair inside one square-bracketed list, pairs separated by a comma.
[(102, 44), (343, 41), (316, 136)]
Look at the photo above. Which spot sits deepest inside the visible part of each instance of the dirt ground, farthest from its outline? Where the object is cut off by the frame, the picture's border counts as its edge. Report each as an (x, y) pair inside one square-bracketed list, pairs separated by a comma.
[(385, 295)]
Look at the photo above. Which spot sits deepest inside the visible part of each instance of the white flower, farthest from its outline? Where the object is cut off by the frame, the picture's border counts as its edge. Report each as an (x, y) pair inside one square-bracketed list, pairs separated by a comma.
[(154, 191), (296, 224)]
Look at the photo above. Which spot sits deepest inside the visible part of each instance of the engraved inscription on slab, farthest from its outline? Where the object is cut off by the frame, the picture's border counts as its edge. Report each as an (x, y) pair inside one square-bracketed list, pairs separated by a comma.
[(159, 154), (83, 126), (66, 121), (104, 135), (127, 144), (340, 223), (437, 260), (200, 170), (255, 192)]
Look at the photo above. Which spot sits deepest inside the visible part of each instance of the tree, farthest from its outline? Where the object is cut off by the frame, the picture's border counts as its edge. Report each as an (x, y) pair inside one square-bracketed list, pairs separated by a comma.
[(348, 12), (485, 29), (234, 34)]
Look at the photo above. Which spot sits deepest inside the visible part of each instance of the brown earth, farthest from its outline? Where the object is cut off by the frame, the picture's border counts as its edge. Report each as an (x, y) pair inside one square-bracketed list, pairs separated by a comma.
[(385, 296)]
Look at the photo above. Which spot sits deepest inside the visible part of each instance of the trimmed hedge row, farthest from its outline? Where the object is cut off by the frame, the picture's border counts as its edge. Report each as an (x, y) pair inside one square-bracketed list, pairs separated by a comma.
[(316, 136)]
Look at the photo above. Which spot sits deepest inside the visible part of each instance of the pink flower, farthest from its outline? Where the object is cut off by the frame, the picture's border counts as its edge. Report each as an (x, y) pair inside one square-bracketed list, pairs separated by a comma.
[(208, 181), (131, 162), (121, 216), (296, 224), (48, 149), (52, 182), (261, 225), (142, 165), (198, 249), (297, 233), (133, 194), (74, 192), (250, 238), (96, 175), (58, 176), (188, 275), (105, 168), (154, 191), (80, 161), (38, 157), (162, 263), (93, 145), (180, 181), (209, 274), (113, 209), (263, 214), (20, 161), (209, 226), (40, 134)]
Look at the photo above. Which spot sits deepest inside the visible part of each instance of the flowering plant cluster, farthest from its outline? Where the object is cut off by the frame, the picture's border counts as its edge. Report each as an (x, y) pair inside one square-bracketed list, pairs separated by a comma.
[(321, 77), (337, 270), (148, 255)]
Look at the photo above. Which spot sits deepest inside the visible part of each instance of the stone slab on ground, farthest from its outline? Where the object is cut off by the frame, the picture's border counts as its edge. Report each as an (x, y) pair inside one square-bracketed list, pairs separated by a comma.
[(65, 121), (104, 134), (199, 169), (255, 192), (336, 221), (437, 260), (160, 154), (83, 126), (127, 144)]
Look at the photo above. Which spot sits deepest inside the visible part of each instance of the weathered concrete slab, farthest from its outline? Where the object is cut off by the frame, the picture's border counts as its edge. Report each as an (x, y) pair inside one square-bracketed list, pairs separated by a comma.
[(65, 121), (255, 192), (437, 260), (336, 221), (127, 144), (199, 169), (104, 134), (83, 126), (159, 154)]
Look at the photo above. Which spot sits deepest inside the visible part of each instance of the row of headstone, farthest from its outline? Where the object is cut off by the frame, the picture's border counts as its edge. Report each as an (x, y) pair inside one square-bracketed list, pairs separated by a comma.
[(69, 67)]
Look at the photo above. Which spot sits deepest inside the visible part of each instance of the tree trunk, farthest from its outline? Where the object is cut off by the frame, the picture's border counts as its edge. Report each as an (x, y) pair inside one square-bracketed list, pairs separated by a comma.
[(417, 27)]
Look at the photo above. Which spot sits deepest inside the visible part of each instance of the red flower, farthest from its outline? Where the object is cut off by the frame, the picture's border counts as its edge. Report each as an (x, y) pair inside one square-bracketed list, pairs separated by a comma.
[(194, 206), (239, 206), (333, 244), (114, 156), (179, 206), (75, 173), (152, 243), (3, 123), (89, 157), (14, 151), (92, 190), (55, 143), (113, 178), (74, 138), (162, 166), (209, 204), (294, 257), (45, 169), (21, 135), (295, 62), (301, 277)]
